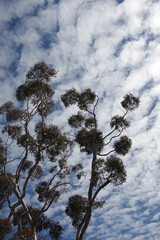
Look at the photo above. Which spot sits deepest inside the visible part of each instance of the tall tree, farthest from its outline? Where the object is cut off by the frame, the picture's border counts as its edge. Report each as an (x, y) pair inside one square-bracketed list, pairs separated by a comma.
[(31, 150), (106, 166)]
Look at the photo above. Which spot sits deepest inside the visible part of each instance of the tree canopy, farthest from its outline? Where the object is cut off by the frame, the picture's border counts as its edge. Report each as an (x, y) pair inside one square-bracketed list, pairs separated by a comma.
[(105, 166), (32, 149)]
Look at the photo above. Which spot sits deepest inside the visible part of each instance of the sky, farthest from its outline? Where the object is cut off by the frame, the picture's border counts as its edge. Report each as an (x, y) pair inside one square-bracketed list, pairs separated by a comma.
[(112, 47)]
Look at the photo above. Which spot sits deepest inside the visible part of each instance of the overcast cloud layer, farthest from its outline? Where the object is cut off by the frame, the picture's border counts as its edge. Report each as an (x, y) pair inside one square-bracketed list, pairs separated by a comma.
[(112, 47)]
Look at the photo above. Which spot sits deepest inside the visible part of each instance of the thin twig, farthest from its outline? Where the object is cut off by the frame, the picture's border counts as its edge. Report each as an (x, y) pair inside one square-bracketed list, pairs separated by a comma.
[(96, 104), (16, 158)]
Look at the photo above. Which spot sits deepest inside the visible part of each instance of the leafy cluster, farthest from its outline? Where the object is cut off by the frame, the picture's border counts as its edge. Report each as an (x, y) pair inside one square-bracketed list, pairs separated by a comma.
[(83, 100), (76, 208), (6, 188), (41, 71), (123, 145), (89, 140), (46, 193), (11, 112), (76, 120), (111, 168), (130, 102), (119, 122), (115, 168), (2, 153), (40, 222), (5, 228)]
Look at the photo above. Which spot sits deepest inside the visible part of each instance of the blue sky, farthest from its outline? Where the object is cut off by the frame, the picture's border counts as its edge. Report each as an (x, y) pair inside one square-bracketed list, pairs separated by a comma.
[(112, 47)]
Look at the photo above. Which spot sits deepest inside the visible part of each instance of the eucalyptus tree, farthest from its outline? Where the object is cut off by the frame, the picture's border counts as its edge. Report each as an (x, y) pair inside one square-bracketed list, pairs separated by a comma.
[(105, 165), (31, 150)]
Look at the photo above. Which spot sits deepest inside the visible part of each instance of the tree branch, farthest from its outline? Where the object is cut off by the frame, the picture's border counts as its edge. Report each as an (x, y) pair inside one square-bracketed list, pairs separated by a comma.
[(109, 133), (106, 153), (113, 138), (14, 159), (96, 104)]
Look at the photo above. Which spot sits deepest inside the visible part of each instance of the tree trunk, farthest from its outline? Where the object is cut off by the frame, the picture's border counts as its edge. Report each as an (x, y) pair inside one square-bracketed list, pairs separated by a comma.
[(85, 226)]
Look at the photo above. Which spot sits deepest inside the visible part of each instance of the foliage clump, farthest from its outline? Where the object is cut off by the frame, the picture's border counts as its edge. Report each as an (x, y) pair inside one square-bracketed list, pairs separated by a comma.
[(5, 228), (130, 102), (76, 208), (39, 220), (89, 140), (119, 122), (123, 145), (115, 167), (83, 100)]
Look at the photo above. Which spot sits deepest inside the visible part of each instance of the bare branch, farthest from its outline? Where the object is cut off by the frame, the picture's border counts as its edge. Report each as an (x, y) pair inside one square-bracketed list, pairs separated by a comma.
[(10, 143), (96, 104), (100, 188), (17, 158), (113, 138), (106, 154), (89, 112), (109, 133)]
